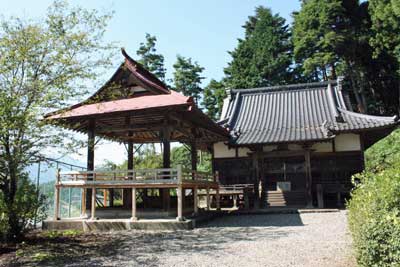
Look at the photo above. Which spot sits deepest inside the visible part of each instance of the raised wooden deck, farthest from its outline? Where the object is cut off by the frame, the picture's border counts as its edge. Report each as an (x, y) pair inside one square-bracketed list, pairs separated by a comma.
[(174, 178)]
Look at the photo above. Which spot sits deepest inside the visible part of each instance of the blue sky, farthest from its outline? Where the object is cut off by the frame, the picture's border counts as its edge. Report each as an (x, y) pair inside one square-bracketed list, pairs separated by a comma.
[(203, 30)]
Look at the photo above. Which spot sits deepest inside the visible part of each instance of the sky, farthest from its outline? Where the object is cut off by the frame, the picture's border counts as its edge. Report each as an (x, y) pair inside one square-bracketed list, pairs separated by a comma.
[(203, 30)]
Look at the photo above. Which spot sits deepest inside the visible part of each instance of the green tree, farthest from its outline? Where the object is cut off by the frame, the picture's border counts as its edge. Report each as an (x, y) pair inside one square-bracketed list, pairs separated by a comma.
[(214, 94), (264, 56), (385, 17), (149, 58), (385, 20), (180, 155), (187, 77), (331, 38), (42, 64)]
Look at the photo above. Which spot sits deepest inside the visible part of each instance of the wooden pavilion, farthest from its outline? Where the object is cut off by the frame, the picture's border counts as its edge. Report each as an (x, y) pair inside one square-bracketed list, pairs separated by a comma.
[(134, 107)]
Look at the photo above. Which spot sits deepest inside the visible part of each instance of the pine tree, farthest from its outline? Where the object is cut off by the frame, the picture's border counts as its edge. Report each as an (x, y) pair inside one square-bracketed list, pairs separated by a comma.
[(214, 94), (331, 38), (187, 77), (263, 57), (150, 59)]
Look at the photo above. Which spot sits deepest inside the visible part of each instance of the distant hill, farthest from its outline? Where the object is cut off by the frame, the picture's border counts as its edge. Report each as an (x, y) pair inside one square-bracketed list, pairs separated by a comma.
[(48, 170)]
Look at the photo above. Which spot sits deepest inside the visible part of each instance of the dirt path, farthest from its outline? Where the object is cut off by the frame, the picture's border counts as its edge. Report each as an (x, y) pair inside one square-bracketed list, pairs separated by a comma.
[(314, 239)]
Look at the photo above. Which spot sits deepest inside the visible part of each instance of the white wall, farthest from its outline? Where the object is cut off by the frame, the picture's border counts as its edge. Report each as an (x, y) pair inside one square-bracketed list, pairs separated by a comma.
[(269, 148), (322, 147), (222, 151), (347, 142), (243, 152)]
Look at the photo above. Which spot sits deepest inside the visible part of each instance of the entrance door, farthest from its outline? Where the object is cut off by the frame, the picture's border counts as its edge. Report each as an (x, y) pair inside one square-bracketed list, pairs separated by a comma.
[(288, 169)]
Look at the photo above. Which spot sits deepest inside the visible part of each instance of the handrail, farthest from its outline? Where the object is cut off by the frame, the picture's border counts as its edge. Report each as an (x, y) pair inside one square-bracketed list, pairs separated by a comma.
[(138, 174)]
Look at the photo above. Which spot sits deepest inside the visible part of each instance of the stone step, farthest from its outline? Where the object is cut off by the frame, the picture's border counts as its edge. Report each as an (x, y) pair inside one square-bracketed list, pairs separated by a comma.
[(282, 199)]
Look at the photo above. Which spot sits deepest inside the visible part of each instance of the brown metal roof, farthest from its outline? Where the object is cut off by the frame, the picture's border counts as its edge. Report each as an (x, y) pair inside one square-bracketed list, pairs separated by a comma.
[(120, 113), (293, 113)]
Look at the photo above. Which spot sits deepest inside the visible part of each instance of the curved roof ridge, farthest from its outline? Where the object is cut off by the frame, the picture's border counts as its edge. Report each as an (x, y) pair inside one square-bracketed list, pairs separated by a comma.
[(299, 86), (366, 116)]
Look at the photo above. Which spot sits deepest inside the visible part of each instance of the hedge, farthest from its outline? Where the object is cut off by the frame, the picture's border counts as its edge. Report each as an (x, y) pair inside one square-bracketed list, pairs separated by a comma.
[(374, 209)]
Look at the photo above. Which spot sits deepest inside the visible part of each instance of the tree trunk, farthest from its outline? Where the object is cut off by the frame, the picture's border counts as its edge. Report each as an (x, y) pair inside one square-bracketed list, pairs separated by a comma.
[(333, 77), (360, 105)]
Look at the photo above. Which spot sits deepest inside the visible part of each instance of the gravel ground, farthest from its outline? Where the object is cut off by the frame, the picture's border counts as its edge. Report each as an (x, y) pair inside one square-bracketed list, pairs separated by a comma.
[(312, 239)]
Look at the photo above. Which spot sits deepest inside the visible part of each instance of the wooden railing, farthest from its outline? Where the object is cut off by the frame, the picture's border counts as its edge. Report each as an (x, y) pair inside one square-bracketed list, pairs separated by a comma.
[(164, 174)]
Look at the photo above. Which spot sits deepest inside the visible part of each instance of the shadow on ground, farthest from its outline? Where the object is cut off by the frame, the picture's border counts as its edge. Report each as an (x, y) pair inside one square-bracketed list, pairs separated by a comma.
[(138, 248)]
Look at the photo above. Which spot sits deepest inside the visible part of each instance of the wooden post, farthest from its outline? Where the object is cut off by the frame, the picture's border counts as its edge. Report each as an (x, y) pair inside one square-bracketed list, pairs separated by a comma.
[(257, 179), (217, 196), (93, 204), (320, 196), (105, 197), (208, 198), (246, 198), (193, 154), (307, 160), (111, 197), (179, 195), (90, 156), (166, 164), (84, 193), (195, 201), (57, 198), (134, 218), (126, 196)]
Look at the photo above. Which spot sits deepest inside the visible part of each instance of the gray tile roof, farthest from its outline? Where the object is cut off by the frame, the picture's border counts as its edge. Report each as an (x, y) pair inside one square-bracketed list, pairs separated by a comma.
[(293, 113)]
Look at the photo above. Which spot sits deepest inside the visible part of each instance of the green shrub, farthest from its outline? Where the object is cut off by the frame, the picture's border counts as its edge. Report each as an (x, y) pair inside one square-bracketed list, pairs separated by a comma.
[(18, 218), (374, 209)]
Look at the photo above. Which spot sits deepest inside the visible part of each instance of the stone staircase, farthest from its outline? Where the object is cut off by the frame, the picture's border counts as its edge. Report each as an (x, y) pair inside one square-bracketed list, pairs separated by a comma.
[(285, 199)]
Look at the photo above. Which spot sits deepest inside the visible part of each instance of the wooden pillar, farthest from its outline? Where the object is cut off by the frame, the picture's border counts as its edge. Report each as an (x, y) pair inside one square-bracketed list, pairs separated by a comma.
[(127, 196), (83, 211), (90, 157), (166, 164), (195, 201), (320, 196), (179, 195), (307, 162), (105, 197), (111, 193), (93, 204), (217, 196), (134, 217), (208, 198), (193, 154), (57, 198), (257, 178)]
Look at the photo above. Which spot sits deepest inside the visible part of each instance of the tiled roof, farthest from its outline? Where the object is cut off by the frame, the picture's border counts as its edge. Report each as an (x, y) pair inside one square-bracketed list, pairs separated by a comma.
[(293, 113)]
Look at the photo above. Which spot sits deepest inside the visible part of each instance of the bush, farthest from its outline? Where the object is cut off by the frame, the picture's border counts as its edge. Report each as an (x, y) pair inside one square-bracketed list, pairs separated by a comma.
[(374, 209), (18, 218)]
